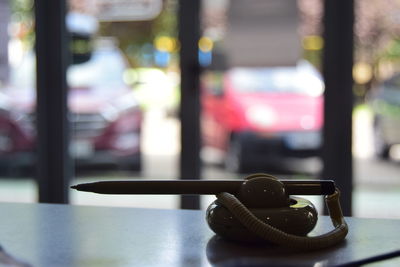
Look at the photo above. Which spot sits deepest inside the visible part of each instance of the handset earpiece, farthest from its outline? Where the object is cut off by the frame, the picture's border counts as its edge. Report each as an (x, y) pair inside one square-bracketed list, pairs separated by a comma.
[(263, 211)]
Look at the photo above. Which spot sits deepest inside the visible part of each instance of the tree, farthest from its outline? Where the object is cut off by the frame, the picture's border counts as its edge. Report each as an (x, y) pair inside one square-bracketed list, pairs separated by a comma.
[(376, 35), (134, 35)]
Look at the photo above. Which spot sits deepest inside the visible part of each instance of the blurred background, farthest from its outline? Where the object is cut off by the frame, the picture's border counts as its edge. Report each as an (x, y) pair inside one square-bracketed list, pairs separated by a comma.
[(261, 93)]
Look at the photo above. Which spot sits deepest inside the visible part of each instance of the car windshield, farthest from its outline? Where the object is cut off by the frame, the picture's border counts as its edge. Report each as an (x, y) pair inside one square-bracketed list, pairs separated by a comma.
[(277, 80), (104, 69)]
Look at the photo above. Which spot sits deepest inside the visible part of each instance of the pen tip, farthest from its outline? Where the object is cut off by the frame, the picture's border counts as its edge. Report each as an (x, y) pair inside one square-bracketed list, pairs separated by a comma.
[(82, 187)]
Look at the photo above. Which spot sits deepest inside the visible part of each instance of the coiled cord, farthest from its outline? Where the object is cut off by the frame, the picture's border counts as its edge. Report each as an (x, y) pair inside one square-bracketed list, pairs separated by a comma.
[(274, 235)]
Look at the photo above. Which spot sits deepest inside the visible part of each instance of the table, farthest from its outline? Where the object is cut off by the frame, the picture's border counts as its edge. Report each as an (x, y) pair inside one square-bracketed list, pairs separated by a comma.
[(66, 235)]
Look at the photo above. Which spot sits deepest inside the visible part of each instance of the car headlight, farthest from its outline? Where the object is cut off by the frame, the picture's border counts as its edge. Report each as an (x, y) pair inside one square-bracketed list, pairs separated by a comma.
[(262, 116)]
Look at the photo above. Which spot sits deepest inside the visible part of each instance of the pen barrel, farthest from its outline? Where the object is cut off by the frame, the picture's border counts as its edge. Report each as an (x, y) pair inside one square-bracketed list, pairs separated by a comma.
[(199, 187), (190, 187)]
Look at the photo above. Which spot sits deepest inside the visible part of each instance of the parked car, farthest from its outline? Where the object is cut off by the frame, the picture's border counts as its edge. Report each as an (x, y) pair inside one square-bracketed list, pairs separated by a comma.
[(385, 103), (261, 116), (104, 113)]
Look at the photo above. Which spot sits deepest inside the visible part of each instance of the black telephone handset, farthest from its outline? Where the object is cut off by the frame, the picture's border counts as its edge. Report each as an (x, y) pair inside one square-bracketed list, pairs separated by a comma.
[(261, 208), (263, 211)]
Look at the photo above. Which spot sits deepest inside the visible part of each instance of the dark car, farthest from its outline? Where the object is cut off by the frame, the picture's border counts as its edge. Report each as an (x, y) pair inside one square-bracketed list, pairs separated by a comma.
[(104, 113), (385, 102)]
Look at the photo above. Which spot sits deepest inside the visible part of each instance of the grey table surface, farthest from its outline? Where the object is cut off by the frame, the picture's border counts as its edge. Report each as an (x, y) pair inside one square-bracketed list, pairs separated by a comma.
[(67, 235)]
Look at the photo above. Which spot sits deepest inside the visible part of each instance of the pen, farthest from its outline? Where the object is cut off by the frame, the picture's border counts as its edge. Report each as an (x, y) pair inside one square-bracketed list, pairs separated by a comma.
[(199, 187)]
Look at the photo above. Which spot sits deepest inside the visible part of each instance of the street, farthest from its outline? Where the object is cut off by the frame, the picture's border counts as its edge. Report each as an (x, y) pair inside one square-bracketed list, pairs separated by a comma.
[(376, 182)]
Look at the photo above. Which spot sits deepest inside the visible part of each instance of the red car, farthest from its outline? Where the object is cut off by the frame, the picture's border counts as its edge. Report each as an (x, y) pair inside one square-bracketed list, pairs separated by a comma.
[(260, 116), (105, 116)]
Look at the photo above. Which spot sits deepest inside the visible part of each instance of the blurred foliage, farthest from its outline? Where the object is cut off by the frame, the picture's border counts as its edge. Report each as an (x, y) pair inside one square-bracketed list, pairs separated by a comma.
[(133, 36), (376, 36), (392, 52), (22, 20), (22, 8), (377, 32), (310, 13)]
